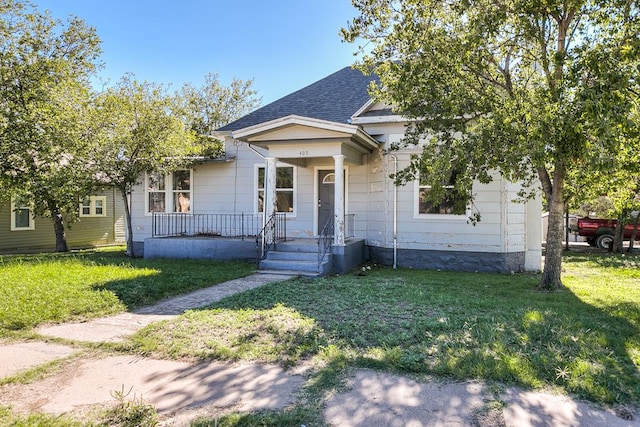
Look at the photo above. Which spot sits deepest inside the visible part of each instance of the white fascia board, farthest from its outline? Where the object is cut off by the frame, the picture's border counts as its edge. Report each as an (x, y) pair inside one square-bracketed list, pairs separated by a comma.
[(366, 139), (364, 108), (395, 119), (293, 120), (221, 133), (379, 119)]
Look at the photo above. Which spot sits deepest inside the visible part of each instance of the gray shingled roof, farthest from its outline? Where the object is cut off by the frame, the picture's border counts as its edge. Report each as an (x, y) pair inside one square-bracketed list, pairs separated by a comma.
[(334, 98)]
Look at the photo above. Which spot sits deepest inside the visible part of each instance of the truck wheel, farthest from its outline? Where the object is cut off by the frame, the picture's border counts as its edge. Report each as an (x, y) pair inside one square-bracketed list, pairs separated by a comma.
[(604, 241)]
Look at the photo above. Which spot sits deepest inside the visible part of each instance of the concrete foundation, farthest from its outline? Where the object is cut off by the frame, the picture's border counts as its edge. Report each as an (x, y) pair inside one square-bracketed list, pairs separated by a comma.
[(453, 260), (200, 248), (344, 258), (348, 257)]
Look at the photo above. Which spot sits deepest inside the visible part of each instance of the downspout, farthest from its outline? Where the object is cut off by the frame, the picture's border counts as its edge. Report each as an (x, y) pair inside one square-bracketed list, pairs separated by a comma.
[(395, 213)]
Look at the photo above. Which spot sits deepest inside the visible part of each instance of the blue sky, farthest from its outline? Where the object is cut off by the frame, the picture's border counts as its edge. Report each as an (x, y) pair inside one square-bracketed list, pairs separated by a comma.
[(283, 45)]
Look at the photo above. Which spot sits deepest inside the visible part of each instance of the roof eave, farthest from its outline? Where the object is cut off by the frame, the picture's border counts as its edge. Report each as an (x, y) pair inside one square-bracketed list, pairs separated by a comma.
[(221, 134), (365, 139), (379, 119), (243, 134)]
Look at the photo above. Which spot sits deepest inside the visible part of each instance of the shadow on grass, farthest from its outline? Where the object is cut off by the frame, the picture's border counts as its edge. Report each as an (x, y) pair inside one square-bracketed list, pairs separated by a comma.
[(85, 284), (162, 278)]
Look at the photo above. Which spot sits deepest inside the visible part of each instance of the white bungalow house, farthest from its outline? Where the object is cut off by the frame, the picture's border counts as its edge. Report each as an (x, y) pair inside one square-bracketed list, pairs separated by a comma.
[(317, 159)]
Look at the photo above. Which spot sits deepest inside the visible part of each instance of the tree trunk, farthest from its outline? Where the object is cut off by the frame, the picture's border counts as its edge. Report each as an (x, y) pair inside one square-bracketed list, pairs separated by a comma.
[(58, 228), (130, 251), (551, 280), (553, 256), (634, 233), (618, 235)]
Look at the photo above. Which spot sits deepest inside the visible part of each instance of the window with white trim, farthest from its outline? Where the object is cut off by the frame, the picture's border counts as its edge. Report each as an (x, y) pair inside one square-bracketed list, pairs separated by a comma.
[(285, 189), (21, 215), (451, 204), (168, 193), (93, 206)]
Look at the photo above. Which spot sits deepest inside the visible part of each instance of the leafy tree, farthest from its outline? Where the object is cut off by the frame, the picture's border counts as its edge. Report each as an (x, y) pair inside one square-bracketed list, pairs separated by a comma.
[(532, 89), (137, 130), (622, 186), (44, 70), (611, 185), (212, 106)]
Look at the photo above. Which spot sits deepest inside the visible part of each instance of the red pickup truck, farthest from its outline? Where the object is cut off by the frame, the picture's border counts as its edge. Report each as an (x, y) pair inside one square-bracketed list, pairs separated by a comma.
[(599, 232)]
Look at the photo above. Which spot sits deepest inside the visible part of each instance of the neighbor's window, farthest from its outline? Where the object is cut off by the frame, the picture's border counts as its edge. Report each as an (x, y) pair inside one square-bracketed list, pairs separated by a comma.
[(284, 189), (169, 193), (155, 192), (181, 191), (94, 206), (452, 203), (21, 215)]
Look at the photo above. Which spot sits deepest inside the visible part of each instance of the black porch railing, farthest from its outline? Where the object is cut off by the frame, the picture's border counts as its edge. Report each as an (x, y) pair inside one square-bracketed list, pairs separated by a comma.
[(273, 231), (325, 240), (223, 225)]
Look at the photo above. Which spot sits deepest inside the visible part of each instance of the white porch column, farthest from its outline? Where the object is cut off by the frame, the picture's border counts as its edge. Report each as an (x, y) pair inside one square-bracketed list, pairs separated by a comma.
[(270, 200), (338, 205)]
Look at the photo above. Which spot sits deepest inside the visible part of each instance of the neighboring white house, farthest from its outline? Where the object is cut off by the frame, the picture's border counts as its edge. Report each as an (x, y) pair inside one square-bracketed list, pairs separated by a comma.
[(317, 156)]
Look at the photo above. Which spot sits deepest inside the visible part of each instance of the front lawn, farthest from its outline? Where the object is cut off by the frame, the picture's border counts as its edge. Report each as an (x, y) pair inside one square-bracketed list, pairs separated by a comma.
[(583, 340), (60, 287)]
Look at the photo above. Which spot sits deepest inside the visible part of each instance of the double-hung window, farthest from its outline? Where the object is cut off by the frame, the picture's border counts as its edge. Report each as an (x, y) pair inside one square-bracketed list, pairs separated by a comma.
[(93, 206), (285, 185), (169, 193), (21, 214), (451, 204), (156, 194)]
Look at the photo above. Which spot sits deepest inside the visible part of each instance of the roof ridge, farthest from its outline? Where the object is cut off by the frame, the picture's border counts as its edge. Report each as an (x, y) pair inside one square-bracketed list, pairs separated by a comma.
[(335, 97)]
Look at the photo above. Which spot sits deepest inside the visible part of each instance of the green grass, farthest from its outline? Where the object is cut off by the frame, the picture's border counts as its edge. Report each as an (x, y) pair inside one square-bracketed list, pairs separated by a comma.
[(295, 417), (583, 340), (8, 418), (125, 412), (275, 334), (61, 287)]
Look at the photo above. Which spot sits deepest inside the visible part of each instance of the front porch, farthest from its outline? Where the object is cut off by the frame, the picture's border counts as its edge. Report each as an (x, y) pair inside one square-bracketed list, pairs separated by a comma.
[(325, 150), (242, 236)]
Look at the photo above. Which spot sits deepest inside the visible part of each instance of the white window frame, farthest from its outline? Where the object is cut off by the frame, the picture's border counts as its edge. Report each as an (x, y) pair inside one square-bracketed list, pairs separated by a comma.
[(416, 206), (32, 220), (169, 192), (93, 206), (293, 190)]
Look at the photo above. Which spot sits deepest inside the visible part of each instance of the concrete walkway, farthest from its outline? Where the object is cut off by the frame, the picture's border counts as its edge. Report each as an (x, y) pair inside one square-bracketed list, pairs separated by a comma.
[(182, 391), (116, 328)]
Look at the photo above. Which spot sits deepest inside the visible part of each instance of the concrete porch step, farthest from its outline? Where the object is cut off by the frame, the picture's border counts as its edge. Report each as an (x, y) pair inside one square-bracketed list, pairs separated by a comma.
[(300, 245), (288, 264), (297, 256)]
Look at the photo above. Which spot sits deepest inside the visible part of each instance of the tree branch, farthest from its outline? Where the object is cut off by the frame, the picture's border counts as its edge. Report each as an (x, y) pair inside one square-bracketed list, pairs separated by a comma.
[(545, 180)]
